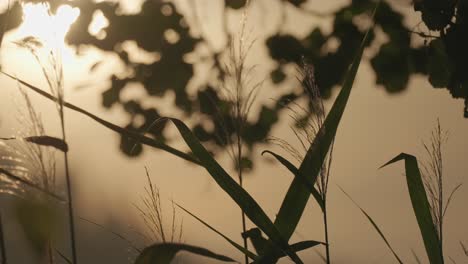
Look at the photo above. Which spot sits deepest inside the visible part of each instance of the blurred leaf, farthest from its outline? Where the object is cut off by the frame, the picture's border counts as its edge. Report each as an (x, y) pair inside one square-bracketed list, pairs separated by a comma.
[(421, 206), (297, 3), (278, 75), (439, 69), (46, 141), (49, 142), (436, 14), (166, 252), (235, 4), (130, 146), (242, 198), (285, 48), (392, 65), (374, 224)]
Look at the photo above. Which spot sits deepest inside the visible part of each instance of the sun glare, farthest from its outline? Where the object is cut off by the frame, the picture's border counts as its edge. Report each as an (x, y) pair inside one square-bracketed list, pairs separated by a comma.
[(49, 28)]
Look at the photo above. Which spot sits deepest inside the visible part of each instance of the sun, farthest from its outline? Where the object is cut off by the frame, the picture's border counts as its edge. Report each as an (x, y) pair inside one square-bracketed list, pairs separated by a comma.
[(50, 29)]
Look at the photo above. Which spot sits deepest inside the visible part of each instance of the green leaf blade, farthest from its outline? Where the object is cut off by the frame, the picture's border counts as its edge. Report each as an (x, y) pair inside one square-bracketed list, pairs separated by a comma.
[(242, 198), (421, 206), (298, 194)]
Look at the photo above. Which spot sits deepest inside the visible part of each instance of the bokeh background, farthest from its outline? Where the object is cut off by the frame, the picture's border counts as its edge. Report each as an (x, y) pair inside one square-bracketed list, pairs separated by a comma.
[(140, 63)]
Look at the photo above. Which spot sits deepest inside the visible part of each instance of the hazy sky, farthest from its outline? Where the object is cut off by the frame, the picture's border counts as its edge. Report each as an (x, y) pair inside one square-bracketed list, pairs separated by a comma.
[(374, 129)]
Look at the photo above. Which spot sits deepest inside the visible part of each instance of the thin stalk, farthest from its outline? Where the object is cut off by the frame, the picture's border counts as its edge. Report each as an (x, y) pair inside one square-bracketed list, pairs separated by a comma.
[(69, 190), (325, 222), (441, 213), (50, 252), (2, 243), (239, 171)]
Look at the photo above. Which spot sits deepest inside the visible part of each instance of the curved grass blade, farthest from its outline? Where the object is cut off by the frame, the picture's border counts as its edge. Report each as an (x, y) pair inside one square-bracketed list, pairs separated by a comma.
[(421, 206), (297, 196), (166, 252), (374, 224), (237, 246), (295, 172), (46, 141), (120, 130), (242, 198)]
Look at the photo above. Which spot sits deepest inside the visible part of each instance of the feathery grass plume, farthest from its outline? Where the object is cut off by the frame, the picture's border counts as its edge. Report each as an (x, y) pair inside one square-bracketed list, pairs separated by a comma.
[(30, 162), (33, 164), (433, 177), (151, 213), (53, 73), (308, 121), (239, 89)]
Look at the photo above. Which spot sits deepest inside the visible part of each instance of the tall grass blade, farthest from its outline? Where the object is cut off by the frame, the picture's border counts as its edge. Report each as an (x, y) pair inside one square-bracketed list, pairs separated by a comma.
[(237, 246), (166, 252), (46, 141), (295, 172), (120, 130), (297, 196), (374, 224), (242, 198), (421, 206)]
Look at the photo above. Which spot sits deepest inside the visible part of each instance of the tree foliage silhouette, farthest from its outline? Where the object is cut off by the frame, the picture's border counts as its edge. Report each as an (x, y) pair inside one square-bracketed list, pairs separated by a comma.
[(160, 28)]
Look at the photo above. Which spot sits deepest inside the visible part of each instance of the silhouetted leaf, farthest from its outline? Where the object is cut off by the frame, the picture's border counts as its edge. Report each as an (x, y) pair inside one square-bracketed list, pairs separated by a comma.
[(243, 199), (421, 206), (46, 141), (298, 194), (166, 252)]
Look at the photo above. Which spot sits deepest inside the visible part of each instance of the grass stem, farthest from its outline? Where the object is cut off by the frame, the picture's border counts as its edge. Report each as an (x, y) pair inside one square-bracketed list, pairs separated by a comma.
[(325, 222), (2, 243), (239, 170), (69, 190)]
